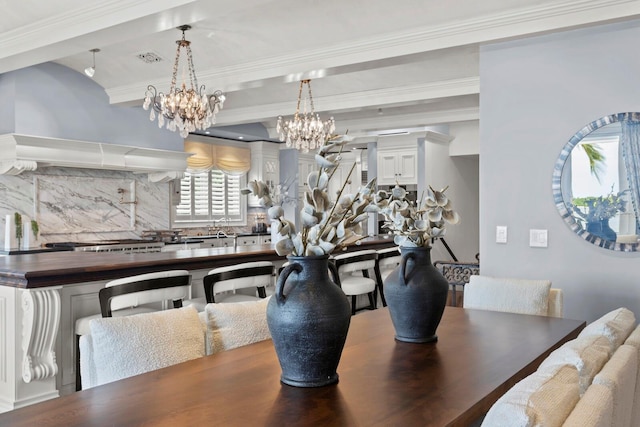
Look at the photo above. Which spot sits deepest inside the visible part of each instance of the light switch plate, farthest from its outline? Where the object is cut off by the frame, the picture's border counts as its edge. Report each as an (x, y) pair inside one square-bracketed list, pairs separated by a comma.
[(538, 238), (501, 234)]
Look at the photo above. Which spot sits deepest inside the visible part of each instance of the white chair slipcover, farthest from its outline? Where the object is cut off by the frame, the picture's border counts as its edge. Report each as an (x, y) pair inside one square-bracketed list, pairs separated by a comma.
[(120, 347)]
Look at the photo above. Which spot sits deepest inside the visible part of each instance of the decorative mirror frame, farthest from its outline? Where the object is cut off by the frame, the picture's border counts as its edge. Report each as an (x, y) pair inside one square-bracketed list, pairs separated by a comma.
[(556, 183)]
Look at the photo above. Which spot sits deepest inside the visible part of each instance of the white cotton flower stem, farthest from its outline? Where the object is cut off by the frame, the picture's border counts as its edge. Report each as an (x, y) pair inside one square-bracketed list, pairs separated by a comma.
[(333, 208), (334, 169)]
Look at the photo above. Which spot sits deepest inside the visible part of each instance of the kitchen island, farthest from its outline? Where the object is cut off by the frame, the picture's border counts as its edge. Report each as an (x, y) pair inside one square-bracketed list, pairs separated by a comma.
[(42, 294)]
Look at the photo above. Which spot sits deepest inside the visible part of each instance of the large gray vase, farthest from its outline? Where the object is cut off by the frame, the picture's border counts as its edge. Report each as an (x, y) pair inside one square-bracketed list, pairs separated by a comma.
[(416, 294), (308, 318)]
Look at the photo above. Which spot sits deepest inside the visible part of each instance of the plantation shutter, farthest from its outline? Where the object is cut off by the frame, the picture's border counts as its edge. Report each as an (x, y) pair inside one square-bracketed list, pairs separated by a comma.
[(211, 196), (234, 207), (184, 208), (200, 195), (218, 193)]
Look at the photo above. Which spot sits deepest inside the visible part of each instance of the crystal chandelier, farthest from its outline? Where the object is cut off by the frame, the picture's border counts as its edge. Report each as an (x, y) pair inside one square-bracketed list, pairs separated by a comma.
[(182, 108), (305, 131)]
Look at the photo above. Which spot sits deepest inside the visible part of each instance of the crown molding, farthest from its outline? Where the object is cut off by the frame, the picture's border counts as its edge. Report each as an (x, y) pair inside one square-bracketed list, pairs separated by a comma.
[(72, 23), (534, 20), (335, 103)]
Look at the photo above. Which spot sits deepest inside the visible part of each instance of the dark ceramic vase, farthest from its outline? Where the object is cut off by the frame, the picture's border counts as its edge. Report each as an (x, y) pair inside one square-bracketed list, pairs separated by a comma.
[(602, 229), (308, 318), (416, 294)]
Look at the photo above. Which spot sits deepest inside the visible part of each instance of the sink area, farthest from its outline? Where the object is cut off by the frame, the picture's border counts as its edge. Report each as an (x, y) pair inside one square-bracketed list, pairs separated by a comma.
[(220, 235)]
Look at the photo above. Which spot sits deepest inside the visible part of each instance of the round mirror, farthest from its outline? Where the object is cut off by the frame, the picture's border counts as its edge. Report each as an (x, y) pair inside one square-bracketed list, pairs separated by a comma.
[(596, 182)]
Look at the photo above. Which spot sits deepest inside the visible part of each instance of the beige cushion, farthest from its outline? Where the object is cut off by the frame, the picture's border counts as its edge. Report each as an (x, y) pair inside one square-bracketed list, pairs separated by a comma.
[(132, 345), (556, 302), (587, 354), (544, 398), (634, 340), (235, 325), (619, 375), (506, 294), (595, 409), (616, 326)]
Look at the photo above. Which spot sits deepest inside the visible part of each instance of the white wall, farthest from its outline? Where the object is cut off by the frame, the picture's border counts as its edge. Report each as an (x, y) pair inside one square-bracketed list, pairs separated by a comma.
[(460, 174), (466, 138), (536, 94)]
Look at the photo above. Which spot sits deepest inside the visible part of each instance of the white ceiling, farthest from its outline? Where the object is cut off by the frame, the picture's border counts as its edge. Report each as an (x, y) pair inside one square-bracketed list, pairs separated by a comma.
[(375, 65)]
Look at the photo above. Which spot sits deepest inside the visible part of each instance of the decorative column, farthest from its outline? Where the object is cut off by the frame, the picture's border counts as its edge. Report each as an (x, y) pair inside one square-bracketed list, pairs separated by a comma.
[(29, 321)]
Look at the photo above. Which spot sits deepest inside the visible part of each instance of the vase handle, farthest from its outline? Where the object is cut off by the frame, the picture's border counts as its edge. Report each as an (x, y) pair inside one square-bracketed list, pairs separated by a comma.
[(403, 267), (282, 279)]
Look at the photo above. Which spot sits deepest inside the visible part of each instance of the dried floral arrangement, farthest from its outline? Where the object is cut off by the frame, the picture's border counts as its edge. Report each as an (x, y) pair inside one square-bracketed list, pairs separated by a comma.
[(415, 224), (326, 224)]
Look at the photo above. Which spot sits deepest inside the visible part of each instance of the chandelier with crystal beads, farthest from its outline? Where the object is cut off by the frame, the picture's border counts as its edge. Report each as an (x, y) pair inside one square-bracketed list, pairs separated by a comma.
[(184, 109), (305, 131)]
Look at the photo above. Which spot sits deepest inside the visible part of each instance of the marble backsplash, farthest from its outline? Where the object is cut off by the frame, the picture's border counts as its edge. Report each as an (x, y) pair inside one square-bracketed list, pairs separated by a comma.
[(86, 204)]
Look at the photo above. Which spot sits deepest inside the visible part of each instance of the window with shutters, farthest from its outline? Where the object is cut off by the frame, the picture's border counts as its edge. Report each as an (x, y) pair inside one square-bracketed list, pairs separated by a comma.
[(211, 196)]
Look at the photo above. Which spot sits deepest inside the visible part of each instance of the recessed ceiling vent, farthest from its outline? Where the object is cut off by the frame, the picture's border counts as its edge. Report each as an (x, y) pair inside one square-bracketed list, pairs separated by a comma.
[(394, 133), (150, 57)]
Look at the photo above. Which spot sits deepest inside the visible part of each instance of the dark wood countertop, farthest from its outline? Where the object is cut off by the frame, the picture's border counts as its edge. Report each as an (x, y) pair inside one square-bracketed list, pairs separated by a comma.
[(61, 268)]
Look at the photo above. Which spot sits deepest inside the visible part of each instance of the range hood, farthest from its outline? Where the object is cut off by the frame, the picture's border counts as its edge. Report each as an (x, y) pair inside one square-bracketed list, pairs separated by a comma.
[(19, 153)]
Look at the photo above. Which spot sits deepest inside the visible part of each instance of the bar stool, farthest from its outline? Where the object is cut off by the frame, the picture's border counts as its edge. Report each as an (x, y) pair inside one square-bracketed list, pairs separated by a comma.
[(387, 261), (353, 272), (222, 284), (128, 296)]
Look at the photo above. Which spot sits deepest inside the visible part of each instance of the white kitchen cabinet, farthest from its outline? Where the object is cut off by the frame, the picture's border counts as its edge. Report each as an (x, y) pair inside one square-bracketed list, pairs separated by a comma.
[(265, 239), (340, 176), (221, 242), (265, 166), (398, 166), (248, 240), (306, 165), (180, 246)]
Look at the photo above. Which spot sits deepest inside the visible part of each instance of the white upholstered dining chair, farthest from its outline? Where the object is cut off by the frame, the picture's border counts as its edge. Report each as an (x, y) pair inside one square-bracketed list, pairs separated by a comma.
[(144, 293), (235, 325), (121, 347), (513, 295)]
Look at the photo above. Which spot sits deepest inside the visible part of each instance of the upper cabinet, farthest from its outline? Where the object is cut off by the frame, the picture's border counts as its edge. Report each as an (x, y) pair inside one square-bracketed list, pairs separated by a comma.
[(306, 165), (340, 174), (398, 165), (265, 166)]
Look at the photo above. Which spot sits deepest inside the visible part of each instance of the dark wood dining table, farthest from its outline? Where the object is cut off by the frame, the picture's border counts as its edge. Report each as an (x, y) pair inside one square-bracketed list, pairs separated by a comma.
[(479, 355)]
